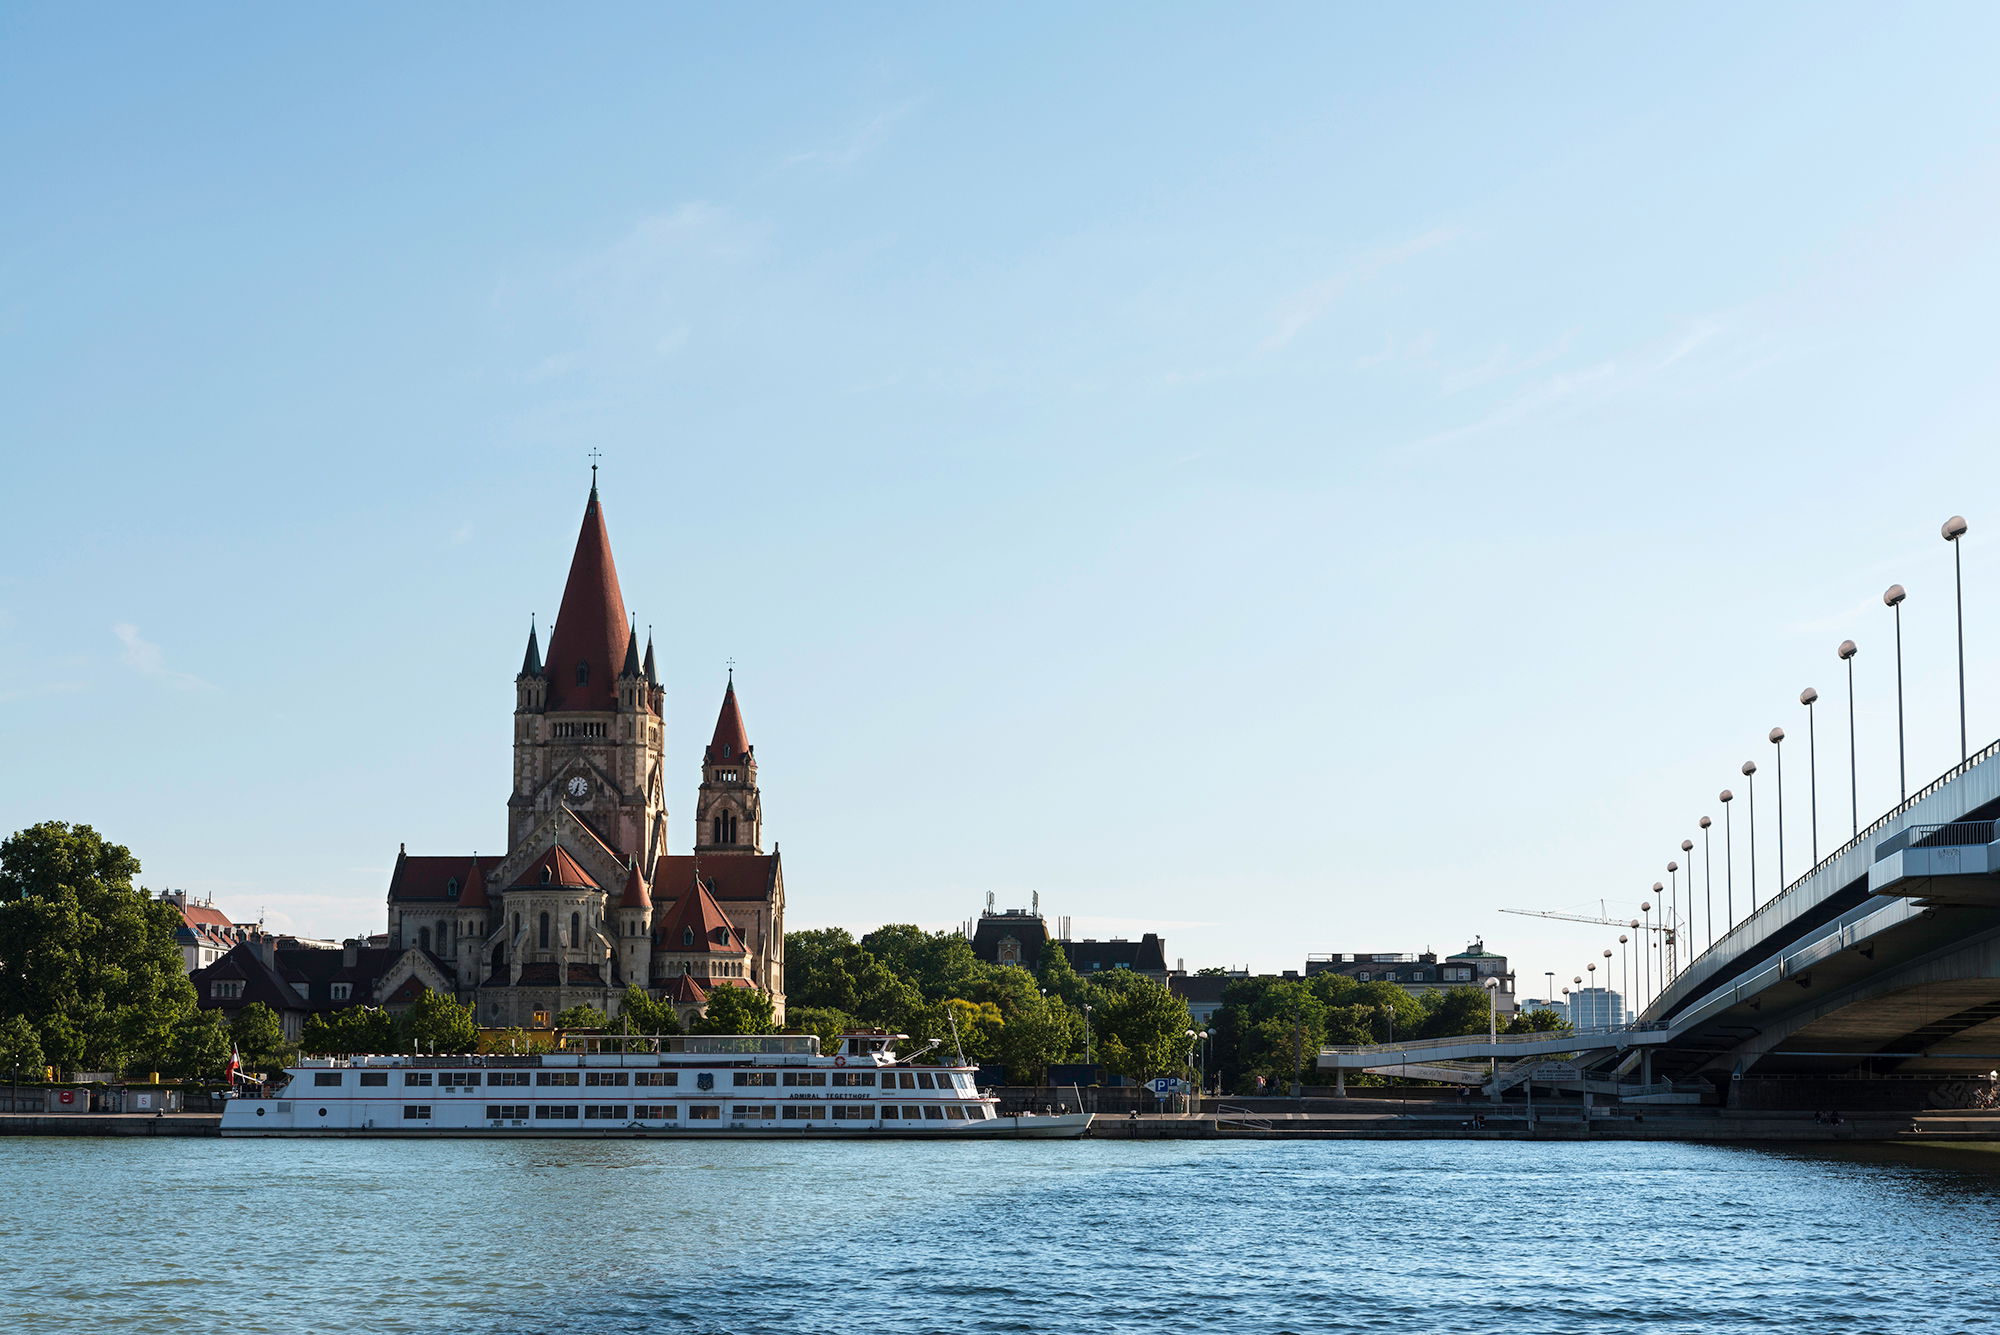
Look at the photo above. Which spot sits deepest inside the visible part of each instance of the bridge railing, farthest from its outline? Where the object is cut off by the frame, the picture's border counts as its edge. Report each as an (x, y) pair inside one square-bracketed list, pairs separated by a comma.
[(1503, 1040), (1948, 834)]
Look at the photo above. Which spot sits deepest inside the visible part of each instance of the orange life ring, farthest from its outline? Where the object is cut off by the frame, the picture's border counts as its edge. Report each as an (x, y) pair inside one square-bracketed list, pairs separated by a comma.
[(67, 1096), (840, 1060)]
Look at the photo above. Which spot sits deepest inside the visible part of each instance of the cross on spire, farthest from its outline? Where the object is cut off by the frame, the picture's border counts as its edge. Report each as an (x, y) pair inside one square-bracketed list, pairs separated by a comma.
[(594, 456)]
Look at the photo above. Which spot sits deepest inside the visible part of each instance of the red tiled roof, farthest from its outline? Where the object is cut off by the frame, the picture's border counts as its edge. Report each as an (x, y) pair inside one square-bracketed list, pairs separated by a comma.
[(473, 895), (684, 990), (728, 876), (202, 915), (591, 628), (554, 867), (635, 891), (430, 877), (730, 742), (697, 923)]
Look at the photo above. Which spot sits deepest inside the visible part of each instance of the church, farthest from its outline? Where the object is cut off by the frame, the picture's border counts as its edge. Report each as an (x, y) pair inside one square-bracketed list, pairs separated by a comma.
[(587, 900)]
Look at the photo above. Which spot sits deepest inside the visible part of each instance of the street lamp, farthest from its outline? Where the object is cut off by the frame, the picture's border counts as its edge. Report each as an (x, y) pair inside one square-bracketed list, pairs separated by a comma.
[(1625, 965), (1615, 1018), (1847, 652), (1646, 949), (1952, 531), (1728, 863), (1778, 741), (1196, 1038), (1492, 986), (1708, 877), (1806, 698), (1665, 919), (1750, 773), (1673, 892), (1591, 969), (1086, 1036), (1893, 596)]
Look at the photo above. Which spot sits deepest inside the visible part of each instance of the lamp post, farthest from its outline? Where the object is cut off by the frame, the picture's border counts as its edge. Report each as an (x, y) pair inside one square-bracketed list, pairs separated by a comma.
[(1687, 851), (1806, 698), (1708, 877), (1591, 969), (1492, 986), (1551, 993), (1728, 863), (1952, 530), (1893, 596), (1615, 1018), (1625, 966), (1847, 652), (1778, 741), (1666, 918), (1086, 1036), (1646, 950), (1750, 773), (1673, 892)]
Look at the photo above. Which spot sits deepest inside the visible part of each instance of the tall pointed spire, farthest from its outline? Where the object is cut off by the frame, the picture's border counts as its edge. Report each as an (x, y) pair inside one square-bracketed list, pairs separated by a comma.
[(652, 677), (531, 662), (731, 741), (632, 654), (591, 633)]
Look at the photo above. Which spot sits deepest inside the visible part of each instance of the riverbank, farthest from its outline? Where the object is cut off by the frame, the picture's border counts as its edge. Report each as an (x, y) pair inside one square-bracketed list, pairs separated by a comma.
[(110, 1124)]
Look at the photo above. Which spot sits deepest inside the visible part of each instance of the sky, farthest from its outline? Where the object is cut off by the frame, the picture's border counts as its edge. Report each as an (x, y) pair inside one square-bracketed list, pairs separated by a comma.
[(1292, 478)]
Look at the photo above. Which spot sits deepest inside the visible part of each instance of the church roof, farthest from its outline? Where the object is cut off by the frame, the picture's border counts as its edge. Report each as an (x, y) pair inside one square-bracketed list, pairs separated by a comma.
[(591, 630), (555, 868), (531, 662), (635, 891), (731, 741), (699, 914), (430, 878), (728, 876), (472, 891), (684, 990)]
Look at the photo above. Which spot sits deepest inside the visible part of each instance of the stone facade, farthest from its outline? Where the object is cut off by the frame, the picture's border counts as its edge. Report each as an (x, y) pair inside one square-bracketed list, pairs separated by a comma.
[(575, 910)]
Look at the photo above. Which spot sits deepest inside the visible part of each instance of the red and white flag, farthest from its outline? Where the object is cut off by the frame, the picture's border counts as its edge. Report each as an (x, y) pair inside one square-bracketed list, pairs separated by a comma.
[(235, 1065)]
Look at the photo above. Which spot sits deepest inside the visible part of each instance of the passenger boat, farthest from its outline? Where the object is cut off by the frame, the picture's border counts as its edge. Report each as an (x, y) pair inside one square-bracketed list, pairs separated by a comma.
[(746, 1086)]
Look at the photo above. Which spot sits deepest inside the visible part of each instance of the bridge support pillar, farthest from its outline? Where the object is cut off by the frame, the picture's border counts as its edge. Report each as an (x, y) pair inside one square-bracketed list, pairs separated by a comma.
[(1645, 1066), (1340, 1082)]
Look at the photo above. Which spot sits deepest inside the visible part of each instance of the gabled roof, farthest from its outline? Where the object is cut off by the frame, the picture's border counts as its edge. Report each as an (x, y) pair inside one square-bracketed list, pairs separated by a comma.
[(555, 867), (430, 878), (591, 629), (697, 923), (731, 741), (684, 990), (729, 876)]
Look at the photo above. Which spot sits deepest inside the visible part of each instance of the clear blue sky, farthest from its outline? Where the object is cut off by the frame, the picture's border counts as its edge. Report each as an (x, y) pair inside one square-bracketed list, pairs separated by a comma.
[(1300, 477)]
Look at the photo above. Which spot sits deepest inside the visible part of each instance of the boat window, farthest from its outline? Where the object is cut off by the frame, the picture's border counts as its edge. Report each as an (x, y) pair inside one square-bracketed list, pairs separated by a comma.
[(416, 1112), (852, 1112), (604, 1112), (458, 1079), (933, 1113), (754, 1112), (555, 1077), (758, 1078), (556, 1112), (954, 1112), (805, 1077), (605, 1077), (924, 1080), (853, 1078), (890, 1110), (506, 1077), (805, 1112), (416, 1077), (913, 1112), (506, 1112), (374, 1077), (327, 1078), (704, 1112), (655, 1112), (656, 1078)]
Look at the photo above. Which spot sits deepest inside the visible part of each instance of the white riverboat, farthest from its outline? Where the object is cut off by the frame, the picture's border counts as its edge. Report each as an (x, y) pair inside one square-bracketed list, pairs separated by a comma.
[(688, 1087)]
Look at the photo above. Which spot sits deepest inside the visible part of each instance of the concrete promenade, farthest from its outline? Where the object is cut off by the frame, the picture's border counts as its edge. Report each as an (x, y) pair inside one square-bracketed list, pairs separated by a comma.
[(110, 1124)]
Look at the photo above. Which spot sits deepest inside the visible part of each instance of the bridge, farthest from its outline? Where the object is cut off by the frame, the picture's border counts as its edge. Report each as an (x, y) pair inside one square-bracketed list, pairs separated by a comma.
[(1879, 967)]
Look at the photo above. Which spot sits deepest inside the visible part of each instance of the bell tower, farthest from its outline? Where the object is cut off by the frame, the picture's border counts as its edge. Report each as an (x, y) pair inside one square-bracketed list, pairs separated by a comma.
[(729, 811), (589, 730)]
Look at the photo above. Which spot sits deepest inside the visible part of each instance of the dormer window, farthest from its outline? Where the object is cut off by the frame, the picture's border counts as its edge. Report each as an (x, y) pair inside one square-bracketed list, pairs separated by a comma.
[(583, 674), (687, 938), (545, 875), (451, 888)]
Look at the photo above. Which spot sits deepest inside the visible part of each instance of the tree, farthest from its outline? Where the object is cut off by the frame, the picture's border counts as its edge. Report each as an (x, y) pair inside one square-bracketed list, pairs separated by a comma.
[(580, 1017), (735, 1010), (201, 1047), (1537, 1021), (980, 1025), (1148, 1022), (1038, 1031), (20, 1048), (348, 1031), (937, 964), (260, 1036), (643, 1015), (86, 958), (828, 1024), (516, 1040), (436, 1023)]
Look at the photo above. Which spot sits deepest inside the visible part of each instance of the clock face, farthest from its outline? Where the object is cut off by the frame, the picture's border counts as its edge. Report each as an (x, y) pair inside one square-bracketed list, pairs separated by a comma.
[(578, 788)]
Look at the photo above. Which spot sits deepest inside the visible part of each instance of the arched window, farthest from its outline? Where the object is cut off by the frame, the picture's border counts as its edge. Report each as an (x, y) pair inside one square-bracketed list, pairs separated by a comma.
[(582, 674), (575, 929), (451, 888), (499, 957), (517, 926), (546, 874), (423, 938), (544, 932), (687, 938)]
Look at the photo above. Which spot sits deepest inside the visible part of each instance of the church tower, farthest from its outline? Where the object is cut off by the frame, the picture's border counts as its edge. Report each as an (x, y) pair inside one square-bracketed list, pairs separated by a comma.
[(729, 812), (588, 728)]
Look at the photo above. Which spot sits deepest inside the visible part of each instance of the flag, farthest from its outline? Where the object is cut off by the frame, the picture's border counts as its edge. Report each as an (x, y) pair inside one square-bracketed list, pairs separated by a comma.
[(235, 1065)]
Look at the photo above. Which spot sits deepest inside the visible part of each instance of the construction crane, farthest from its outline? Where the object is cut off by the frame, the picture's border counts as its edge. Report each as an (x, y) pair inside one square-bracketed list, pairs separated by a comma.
[(1667, 940)]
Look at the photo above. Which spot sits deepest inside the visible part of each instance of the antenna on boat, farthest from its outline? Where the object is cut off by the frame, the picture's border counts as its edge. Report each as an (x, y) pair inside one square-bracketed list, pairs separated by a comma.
[(951, 1015)]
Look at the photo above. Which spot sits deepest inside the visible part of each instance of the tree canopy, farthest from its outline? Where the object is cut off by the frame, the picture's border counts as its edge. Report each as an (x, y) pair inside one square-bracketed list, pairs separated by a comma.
[(735, 1010)]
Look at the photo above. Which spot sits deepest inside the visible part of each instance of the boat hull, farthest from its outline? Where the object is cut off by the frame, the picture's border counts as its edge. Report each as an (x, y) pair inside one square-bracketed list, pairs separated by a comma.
[(1059, 1126)]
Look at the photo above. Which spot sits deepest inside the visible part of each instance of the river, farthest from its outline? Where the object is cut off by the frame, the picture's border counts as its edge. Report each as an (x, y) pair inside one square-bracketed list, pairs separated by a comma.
[(483, 1237)]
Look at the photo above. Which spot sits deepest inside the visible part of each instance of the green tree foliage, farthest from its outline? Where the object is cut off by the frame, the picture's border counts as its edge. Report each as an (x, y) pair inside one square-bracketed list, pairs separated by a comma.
[(640, 1014), (201, 1047), (86, 958), (348, 1031), (436, 1023), (260, 1036), (587, 1018), (735, 1010), (1148, 1023), (20, 1049), (1059, 978), (827, 969), (939, 964), (516, 1040), (1535, 1022), (980, 1027), (1038, 1031), (828, 1024)]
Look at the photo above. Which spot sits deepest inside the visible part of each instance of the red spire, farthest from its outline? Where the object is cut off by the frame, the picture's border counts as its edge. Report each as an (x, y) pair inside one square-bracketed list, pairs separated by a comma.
[(731, 742), (591, 631), (473, 896), (698, 924), (635, 896)]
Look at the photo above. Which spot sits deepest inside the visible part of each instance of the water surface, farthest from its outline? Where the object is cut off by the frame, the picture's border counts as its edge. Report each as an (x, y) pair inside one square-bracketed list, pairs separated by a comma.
[(733, 1238)]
